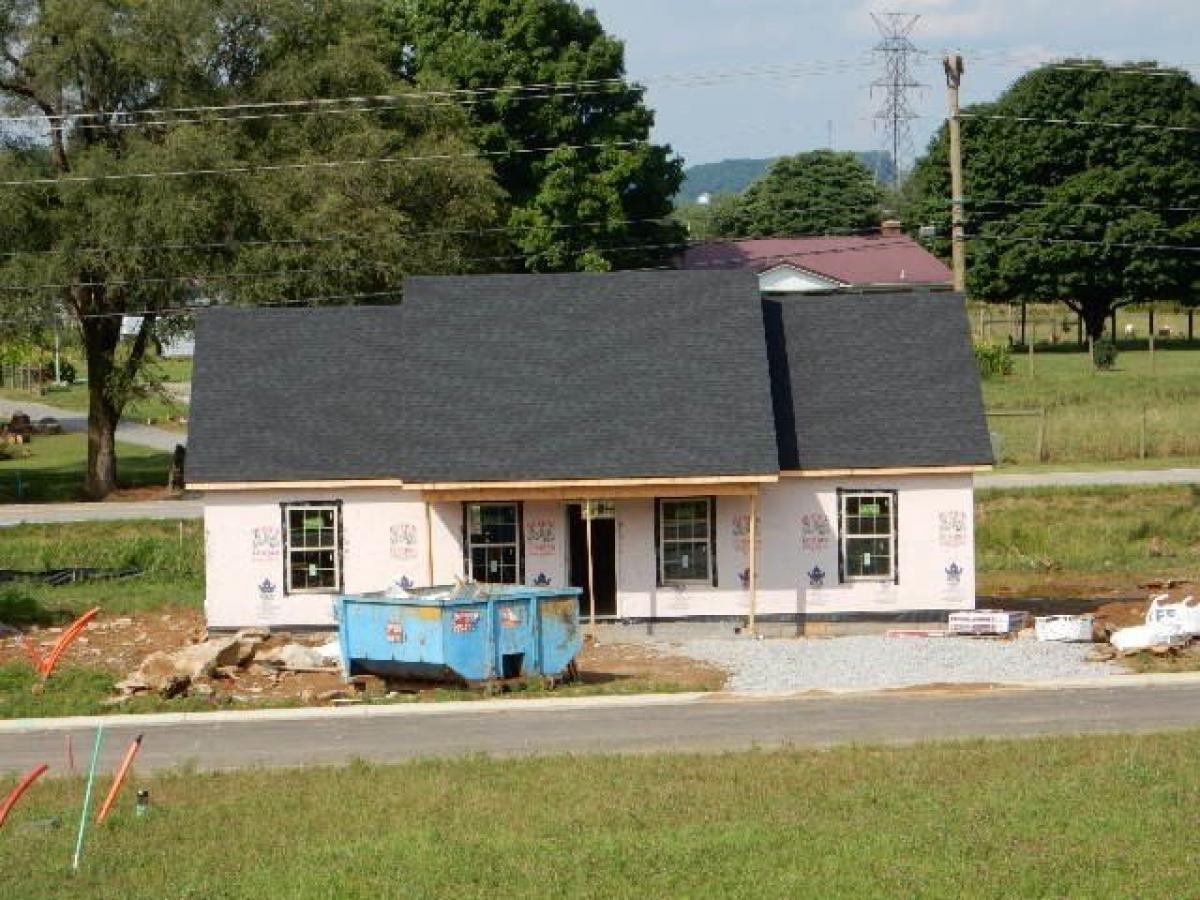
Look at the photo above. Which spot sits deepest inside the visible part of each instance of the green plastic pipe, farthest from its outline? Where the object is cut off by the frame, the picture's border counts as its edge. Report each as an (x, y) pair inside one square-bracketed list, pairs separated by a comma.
[(87, 798)]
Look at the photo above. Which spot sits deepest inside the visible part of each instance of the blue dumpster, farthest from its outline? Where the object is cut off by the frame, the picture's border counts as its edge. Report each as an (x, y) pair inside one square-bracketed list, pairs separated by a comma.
[(473, 635)]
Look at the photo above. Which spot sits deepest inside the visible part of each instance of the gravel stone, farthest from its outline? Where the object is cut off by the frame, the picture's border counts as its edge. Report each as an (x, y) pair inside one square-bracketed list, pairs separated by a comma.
[(875, 661)]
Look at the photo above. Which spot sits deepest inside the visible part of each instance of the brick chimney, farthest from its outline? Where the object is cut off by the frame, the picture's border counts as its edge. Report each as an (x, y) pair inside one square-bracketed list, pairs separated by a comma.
[(891, 228)]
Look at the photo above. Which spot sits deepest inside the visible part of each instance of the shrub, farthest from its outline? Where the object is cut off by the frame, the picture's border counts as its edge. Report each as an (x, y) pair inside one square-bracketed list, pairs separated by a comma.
[(1104, 354), (65, 368), (19, 607), (993, 359)]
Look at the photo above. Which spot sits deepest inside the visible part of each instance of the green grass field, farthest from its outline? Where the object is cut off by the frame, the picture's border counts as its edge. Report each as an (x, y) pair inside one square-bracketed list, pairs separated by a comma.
[(1140, 531), (54, 470), (1110, 816), (1096, 417), (170, 555)]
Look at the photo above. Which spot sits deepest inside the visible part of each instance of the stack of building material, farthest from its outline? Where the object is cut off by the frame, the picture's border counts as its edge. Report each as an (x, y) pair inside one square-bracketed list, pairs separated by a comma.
[(1070, 629), (986, 622)]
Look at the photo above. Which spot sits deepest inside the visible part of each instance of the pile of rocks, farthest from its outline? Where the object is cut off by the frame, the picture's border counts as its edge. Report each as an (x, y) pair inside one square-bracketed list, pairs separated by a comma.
[(189, 669)]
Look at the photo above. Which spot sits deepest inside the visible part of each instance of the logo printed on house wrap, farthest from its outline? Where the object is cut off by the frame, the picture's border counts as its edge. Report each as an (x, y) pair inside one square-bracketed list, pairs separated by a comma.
[(403, 541), (815, 532), (952, 528), (266, 543), (541, 537)]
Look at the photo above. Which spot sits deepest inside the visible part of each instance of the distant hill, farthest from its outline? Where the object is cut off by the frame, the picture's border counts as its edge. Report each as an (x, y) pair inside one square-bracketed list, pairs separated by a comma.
[(732, 176)]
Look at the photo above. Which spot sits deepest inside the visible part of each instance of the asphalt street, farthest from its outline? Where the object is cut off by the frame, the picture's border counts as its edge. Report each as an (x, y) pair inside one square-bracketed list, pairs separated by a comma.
[(606, 725)]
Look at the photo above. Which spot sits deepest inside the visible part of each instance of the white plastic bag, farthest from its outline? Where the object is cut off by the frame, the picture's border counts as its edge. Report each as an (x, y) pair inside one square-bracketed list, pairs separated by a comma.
[(1184, 616)]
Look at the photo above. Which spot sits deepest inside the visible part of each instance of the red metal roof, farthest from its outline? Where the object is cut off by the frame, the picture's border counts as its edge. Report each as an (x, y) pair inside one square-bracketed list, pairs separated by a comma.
[(849, 260)]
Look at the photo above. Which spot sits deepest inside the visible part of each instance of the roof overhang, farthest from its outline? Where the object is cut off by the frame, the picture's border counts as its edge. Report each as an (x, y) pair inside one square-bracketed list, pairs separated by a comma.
[(315, 484), (596, 489), (902, 470)]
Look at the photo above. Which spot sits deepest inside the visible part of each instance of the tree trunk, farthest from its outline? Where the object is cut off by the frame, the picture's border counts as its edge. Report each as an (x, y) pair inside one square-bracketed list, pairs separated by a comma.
[(101, 335), (1094, 314)]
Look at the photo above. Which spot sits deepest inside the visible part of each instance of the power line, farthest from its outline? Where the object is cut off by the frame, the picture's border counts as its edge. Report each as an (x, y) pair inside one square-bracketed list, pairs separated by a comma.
[(1062, 226), (550, 89), (975, 201), (722, 262), (1077, 241), (350, 237), (1069, 61), (1134, 126), (327, 164)]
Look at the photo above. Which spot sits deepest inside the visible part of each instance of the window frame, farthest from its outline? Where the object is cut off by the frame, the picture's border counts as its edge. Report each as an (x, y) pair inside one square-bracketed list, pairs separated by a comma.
[(661, 540), (893, 497), (518, 542), (339, 568)]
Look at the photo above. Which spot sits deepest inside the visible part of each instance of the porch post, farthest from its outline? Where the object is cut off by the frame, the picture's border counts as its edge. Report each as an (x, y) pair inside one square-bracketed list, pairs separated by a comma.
[(587, 512), (750, 624), (429, 542)]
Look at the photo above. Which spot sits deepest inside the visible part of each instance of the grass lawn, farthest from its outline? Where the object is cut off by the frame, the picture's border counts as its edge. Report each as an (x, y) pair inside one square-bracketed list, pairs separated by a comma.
[(170, 555), (1096, 816), (54, 470), (1096, 417), (1139, 531)]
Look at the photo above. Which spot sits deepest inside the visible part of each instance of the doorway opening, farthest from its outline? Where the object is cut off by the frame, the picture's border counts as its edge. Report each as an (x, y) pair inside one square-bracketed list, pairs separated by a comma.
[(604, 557)]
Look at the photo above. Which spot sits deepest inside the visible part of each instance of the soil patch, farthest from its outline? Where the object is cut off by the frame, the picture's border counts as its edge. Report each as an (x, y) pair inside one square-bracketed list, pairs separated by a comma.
[(603, 663), (119, 644), (1061, 584)]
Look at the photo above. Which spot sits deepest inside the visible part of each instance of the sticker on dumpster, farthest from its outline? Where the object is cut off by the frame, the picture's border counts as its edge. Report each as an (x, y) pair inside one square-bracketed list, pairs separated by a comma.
[(464, 622), (509, 617), (394, 632)]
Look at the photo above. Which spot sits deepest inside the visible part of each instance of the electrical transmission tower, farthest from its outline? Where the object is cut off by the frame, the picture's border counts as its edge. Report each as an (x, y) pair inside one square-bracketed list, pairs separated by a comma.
[(896, 52)]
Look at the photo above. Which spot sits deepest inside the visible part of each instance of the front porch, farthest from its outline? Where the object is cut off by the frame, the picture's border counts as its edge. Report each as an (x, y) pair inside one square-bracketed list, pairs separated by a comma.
[(663, 549)]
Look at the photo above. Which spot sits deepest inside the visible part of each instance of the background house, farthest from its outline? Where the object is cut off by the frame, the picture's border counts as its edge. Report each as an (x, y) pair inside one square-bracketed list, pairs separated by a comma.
[(803, 458), (887, 261)]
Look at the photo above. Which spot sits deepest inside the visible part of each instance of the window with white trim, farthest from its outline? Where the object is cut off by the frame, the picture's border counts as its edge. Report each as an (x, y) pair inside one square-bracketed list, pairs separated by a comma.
[(313, 547), (493, 542), (867, 528), (685, 541)]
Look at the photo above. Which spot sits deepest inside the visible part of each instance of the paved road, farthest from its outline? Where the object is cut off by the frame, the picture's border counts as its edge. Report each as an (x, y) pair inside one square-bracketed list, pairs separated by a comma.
[(17, 513), (73, 420), (1089, 479), (691, 723)]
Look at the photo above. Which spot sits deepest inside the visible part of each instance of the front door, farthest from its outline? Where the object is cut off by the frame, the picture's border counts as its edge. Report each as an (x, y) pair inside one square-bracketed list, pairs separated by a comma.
[(604, 560)]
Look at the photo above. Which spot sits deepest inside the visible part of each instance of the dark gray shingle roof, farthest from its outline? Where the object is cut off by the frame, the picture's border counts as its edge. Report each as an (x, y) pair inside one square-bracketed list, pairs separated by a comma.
[(492, 378), (296, 395), (875, 381)]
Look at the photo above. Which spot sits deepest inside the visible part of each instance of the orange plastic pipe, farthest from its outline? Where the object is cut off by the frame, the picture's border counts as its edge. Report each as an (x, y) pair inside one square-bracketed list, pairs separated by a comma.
[(119, 779), (11, 800), (65, 640)]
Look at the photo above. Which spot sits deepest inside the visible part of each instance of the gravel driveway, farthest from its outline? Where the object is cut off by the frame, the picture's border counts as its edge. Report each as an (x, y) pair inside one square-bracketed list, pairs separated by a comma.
[(875, 661)]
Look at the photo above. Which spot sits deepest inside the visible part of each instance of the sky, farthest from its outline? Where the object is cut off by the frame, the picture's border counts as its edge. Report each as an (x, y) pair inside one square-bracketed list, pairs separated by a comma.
[(816, 90)]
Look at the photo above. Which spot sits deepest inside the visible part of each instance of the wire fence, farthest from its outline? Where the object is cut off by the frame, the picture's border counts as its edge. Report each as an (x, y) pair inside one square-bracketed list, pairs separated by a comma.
[(1160, 431)]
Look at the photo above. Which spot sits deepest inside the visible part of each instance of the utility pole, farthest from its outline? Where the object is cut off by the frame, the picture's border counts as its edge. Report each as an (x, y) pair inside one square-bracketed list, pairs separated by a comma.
[(897, 81), (953, 63)]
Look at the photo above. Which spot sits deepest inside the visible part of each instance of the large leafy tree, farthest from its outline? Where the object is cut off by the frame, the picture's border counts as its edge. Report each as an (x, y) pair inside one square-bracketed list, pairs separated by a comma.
[(1085, 213), (579, 205), (811, 193), (89, 76)]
